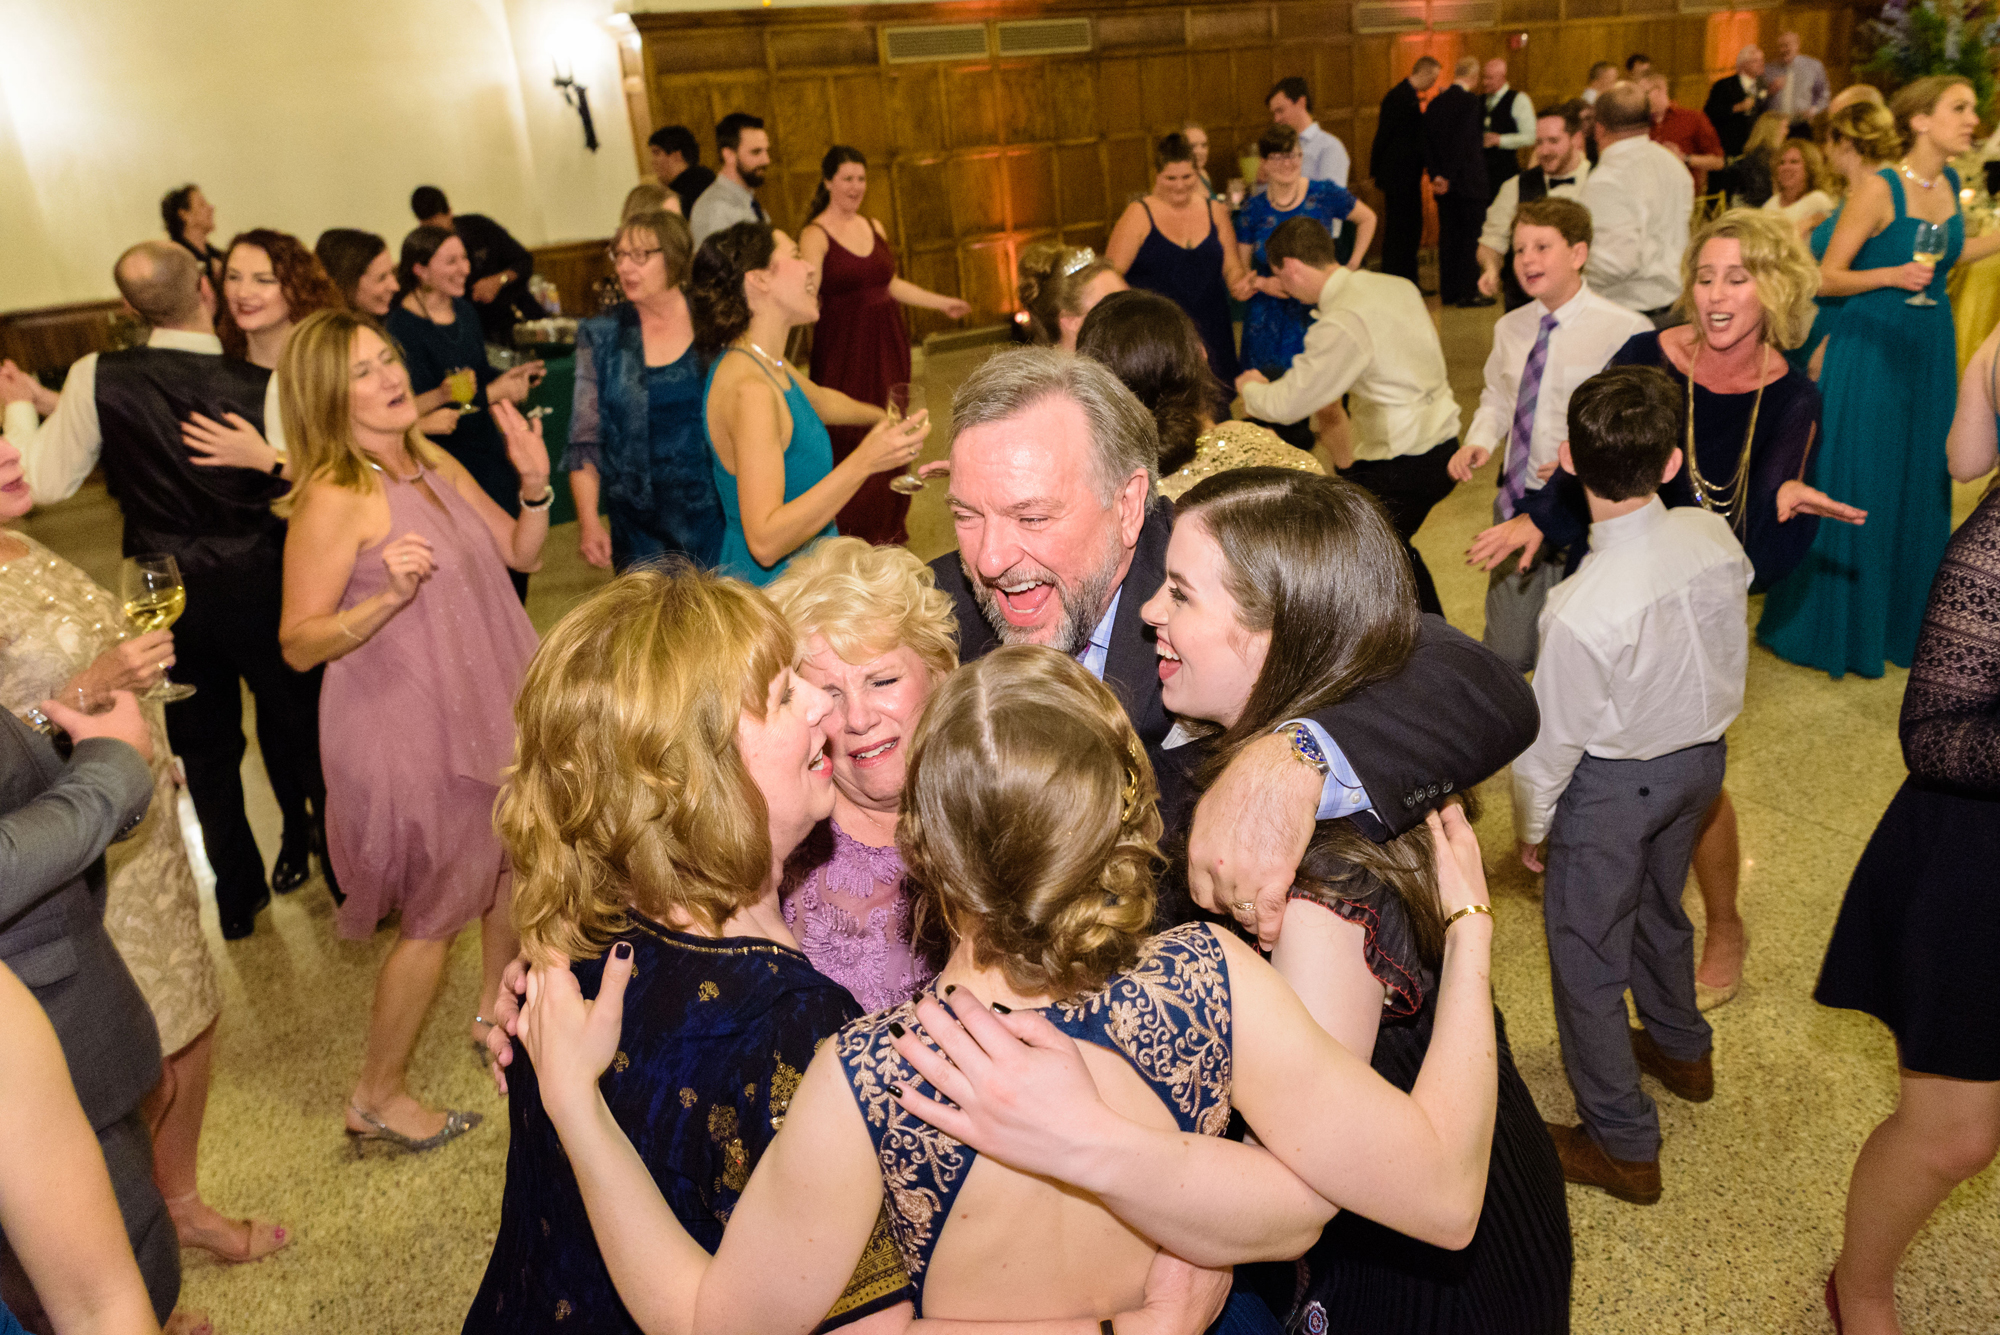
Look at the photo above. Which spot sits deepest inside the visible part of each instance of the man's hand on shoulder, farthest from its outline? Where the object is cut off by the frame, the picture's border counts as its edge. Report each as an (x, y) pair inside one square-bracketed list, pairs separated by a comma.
[(1249, 832)]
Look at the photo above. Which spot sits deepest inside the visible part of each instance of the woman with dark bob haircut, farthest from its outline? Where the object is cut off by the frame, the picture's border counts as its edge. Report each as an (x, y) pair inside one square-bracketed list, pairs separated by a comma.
[(770, 453), (1151, 345), (360, 265)]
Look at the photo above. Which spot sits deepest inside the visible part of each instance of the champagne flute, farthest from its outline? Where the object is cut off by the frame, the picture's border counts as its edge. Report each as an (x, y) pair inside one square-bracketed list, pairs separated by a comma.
[(905, 402), (154, 599), (1927, 245)]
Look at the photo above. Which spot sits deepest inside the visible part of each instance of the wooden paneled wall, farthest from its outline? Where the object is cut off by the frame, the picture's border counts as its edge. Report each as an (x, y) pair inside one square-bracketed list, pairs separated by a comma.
[(969, 162), (44, 341)]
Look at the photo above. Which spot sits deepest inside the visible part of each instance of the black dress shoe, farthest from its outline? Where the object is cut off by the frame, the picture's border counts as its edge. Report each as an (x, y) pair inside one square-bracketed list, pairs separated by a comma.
[(294, 865), (235, 929)]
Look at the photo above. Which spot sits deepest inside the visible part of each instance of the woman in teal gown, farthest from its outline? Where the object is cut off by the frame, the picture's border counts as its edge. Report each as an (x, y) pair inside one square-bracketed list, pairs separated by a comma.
[(765, 422), (1889, 384), (1860, 137)]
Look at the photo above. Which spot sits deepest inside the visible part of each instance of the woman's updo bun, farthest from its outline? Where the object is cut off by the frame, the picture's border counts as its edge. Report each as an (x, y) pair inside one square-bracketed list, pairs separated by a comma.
[(715, 297), (1030, 821)]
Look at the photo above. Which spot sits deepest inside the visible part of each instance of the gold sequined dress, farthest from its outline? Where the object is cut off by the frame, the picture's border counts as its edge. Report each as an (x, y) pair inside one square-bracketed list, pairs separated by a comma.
[(1235, 444), (55, 622)]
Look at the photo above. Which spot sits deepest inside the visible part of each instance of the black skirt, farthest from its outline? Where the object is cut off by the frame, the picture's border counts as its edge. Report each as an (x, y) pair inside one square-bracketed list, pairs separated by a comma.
[(1919, 933)]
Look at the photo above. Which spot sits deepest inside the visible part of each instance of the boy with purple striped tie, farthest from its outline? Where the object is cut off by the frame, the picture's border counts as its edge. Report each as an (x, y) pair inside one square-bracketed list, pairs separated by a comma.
[(1541, 352)]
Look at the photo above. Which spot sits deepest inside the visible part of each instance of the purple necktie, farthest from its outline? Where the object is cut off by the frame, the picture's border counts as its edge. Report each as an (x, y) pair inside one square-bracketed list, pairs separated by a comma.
[(1514, 478)]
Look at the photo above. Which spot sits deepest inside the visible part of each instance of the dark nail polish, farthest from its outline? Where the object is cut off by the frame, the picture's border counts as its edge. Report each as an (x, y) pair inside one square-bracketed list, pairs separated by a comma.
[(895, 1029), (623, 950), (1004, 1010), (897, 1090), (950, 988)]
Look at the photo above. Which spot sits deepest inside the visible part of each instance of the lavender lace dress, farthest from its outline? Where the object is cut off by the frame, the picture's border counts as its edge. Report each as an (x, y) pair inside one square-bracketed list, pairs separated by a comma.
[(846, 904)]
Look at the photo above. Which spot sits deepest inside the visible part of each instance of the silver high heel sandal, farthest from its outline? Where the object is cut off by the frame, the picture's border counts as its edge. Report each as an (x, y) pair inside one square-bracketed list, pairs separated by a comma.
[(456, 1124)]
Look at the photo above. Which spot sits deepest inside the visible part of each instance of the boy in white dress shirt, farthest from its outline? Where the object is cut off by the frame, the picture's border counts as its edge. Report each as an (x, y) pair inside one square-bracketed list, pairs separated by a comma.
[(1643, 655), (1541, 352)]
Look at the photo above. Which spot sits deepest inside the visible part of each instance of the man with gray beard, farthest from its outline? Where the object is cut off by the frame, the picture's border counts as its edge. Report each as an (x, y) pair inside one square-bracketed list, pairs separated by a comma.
[(1062, 538)]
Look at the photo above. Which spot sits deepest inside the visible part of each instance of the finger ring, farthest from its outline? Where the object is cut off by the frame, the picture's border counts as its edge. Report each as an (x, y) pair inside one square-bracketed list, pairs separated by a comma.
[(163, 669), (1241, 904)]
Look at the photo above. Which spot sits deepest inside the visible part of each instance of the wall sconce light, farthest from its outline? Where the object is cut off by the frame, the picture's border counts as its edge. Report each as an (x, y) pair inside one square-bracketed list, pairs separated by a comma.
[(577, 96)]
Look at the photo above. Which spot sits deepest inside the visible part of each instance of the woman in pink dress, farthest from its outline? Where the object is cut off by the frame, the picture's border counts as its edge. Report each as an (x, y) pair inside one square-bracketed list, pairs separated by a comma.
[(861, 346), (396, 578), (877, 636)]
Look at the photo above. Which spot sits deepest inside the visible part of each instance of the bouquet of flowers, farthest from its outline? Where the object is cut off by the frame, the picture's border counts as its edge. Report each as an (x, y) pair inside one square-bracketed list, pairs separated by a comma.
[(1910, 40)]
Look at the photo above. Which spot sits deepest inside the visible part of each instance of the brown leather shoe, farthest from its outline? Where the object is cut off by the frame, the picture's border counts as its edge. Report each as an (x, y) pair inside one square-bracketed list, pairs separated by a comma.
[(1586, 1164), (1693, 1081)]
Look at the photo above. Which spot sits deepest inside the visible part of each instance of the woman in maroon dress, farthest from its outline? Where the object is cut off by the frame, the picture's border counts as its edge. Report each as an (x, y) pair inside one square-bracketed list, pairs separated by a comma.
[(861, 346)]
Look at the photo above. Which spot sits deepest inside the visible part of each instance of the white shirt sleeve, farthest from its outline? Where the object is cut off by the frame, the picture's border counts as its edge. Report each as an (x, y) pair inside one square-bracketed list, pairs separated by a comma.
[(1494, 421), (58, 454), (1572, 689), (1497, 235), (1618, 244), (1335, 355), (1524, 114)]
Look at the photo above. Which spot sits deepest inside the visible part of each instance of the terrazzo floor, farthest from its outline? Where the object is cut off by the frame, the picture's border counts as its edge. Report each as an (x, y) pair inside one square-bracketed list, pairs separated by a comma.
[(1755, 1180)]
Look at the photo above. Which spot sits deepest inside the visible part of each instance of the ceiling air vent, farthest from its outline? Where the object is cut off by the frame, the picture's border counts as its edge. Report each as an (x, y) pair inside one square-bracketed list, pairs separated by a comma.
[(1372, 16), (1043, 37), (945, 41), (1467, 13)]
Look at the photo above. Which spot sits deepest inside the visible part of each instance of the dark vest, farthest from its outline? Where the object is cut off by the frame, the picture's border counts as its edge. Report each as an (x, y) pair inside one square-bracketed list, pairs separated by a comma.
[(1502, 163), (205, 518)]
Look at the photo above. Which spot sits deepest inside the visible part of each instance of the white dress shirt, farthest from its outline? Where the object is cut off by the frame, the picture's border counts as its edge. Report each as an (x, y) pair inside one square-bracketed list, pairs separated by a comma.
[(1322, 157), (1811, 204), (1371, 337), (1643, 651), (1588, 330), (1806, 91), (57, 455), (1589, 96), (1497, 234), (1524, 116), (1639, 199)]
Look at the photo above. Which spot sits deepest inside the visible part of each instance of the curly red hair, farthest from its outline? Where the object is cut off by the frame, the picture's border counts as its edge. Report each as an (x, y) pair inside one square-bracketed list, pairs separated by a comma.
[(301, 279)]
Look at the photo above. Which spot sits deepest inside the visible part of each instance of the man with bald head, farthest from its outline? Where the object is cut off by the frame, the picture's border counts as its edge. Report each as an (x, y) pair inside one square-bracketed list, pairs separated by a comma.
[(1639, 197), (1062, 539), (1798, 83), (1510, 124), (126, 410), (1737, 100)]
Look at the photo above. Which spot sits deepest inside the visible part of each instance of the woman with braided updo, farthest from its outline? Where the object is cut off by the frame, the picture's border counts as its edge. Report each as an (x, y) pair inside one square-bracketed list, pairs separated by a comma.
[(1030, 822), (1058, 285)]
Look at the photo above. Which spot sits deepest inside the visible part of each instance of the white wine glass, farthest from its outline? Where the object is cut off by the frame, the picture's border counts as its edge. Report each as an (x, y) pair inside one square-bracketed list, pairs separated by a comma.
[(1926, 247), (154, 597), (905, 402)]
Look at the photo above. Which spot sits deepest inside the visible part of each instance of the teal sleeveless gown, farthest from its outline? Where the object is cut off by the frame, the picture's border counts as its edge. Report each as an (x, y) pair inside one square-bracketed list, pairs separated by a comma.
[(808, 458), (1889, 385), (1826, 310)]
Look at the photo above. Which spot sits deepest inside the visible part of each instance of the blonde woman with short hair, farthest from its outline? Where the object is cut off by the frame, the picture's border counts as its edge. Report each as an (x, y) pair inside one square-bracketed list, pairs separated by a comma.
[(877, 636), (396, 579)]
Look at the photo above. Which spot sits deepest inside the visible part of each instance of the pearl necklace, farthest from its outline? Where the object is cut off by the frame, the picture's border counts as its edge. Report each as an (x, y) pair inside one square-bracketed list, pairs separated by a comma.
[(1920, 182)]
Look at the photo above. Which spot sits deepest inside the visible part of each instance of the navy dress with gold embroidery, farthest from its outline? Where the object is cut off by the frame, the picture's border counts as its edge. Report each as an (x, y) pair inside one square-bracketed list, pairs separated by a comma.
[(717, 1033), (1168, 1015)]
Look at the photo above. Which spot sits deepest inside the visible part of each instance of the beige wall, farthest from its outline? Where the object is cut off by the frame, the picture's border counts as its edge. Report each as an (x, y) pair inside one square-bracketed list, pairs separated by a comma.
[(295, 114)]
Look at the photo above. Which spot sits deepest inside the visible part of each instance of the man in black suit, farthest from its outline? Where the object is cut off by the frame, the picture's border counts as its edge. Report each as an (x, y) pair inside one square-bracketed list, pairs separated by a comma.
[(1737, 100), (1396, 162), (1061, 539), (1455, 156), (56, 817), (501, 266)]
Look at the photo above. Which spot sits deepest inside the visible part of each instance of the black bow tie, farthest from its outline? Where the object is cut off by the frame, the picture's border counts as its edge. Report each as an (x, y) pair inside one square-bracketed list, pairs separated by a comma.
[(1554, 181)]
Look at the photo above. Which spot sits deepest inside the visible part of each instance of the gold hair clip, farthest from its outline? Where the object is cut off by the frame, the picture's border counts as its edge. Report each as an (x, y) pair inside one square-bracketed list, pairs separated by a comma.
[(1082, 258), (1130, 797)]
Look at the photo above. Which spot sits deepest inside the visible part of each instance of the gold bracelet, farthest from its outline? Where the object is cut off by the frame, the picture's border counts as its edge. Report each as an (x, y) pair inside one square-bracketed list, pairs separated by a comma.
[(341, 622), (1486, 909)]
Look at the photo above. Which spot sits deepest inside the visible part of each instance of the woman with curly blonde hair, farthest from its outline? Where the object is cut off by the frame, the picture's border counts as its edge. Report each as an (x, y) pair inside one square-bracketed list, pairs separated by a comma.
[(1751, 420), (1031, 822), (670, 759), (877, 636)]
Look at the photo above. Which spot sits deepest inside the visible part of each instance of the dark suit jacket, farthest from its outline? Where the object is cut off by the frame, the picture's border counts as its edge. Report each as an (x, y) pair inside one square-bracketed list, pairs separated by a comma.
[(1455, 141), (55, 821), (1396, 159), (1732, 127), (1453, 716)]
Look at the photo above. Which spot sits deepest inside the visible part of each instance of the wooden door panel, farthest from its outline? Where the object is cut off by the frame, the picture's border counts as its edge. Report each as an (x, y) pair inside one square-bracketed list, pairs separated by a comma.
[(1163, 90), (978, 193), (1023, 95), (1072, 92), (1119, 101), (923, 195), (970, 106), (861, 113), (1079, 184), (916, 111), (1031, 189)]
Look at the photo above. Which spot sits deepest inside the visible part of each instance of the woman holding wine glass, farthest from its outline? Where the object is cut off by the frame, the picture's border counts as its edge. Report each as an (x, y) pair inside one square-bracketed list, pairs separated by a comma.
[(395, 566), (439, 332), (767, 425), (1890, 378), (861, 346), (62, 637)]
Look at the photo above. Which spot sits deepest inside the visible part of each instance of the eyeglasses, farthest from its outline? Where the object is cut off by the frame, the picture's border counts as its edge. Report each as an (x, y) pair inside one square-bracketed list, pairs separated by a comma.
[(634, 256), (1292, 156)]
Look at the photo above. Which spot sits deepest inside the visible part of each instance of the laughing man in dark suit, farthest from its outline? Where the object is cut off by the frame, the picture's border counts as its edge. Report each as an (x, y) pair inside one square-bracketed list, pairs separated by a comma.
[(1062, 538)]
